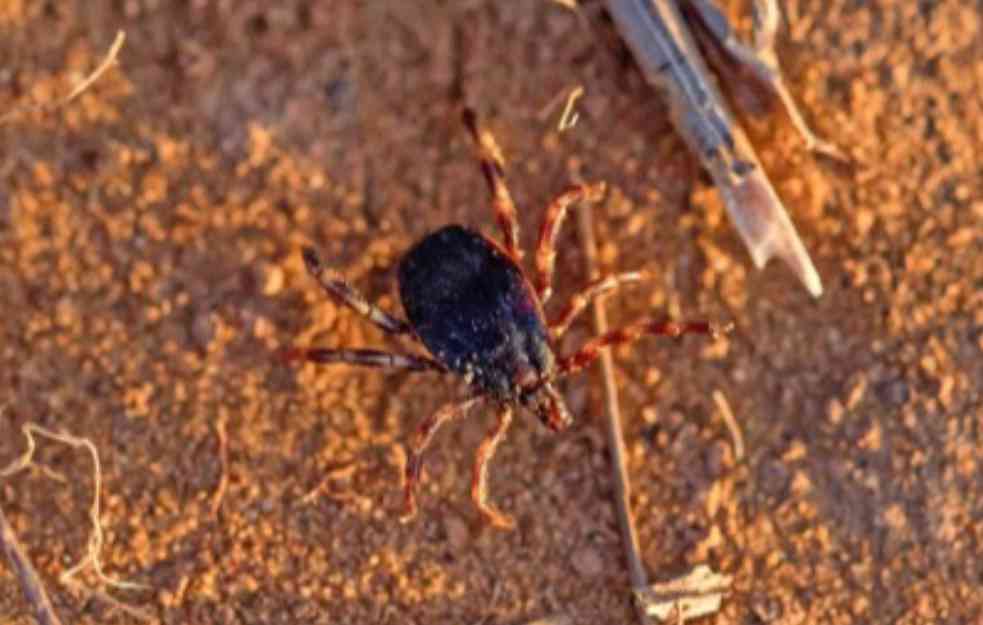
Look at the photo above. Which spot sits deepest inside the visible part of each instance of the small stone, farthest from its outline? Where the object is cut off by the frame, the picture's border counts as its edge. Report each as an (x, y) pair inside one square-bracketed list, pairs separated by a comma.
[(587, 562), (766, 608), (272, 278), (577, 400), (66, 314), (893, 392), (773, 478), (458, 535), (202, 329)]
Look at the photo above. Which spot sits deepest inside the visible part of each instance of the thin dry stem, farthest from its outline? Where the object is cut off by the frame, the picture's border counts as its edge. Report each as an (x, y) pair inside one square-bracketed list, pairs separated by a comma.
[(337, 474), (223, 455), (137, 613), (556, 619), (622, 487), (569, 117), (30, 581), (96, 538), (107, 62), (732, 425)]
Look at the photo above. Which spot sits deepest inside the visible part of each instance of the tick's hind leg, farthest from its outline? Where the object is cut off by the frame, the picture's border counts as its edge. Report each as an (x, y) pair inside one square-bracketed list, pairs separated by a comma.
[(421, 439), (556, 212), (577, 361), (479, 483), (593, 290), (365, 358), (492, 165), (345, 293)]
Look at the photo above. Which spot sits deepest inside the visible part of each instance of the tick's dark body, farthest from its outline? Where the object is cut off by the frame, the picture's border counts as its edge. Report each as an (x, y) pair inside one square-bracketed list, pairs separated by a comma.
[(475, 311), (469, 302)]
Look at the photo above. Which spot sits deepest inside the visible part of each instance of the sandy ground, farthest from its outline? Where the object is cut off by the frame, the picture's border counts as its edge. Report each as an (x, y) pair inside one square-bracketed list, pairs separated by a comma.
[(150, 271)]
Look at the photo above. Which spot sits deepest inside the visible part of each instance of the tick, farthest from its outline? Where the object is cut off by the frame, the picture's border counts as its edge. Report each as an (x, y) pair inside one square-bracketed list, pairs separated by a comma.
[(480, 316)]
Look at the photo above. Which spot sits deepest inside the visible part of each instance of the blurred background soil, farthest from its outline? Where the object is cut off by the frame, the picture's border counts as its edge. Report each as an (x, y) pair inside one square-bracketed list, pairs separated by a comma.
[(150, 271)]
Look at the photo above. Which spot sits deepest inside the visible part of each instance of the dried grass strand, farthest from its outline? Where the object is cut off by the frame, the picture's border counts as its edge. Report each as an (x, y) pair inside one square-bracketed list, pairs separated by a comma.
[(616, 443), (30, 581), (96, 538), (107, 61)]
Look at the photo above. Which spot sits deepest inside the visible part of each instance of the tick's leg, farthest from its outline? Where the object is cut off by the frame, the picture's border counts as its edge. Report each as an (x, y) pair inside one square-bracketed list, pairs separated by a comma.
[(338, 288), (595, 289), (578, 360), (479, 483), (760, 59), (365, 358), (421, 439), (492, 165), (556, 212), (557, 416)]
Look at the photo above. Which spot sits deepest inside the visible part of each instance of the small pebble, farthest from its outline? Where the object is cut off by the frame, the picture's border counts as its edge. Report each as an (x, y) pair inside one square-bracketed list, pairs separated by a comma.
[(773, 478), (893, 392), (766, 608), (272, 279), (587, 562), (458, 535), (202, 329)]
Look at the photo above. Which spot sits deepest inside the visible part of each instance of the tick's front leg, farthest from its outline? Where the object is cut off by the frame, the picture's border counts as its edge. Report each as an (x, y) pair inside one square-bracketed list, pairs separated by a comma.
[(492, 166), (339, 288), (556, 212), (364, 358)]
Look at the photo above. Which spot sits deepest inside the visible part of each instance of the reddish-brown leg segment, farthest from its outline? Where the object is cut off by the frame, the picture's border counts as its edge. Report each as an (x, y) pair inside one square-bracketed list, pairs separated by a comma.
[(365, 358), (479, 483), (557, 417), (342, 291), (577, 361), (421, 440), (556, 212), (596, 288), (492, 165)]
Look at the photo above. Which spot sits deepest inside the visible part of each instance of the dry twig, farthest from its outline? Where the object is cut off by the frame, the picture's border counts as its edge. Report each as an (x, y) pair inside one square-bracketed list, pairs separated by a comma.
[(732, 425), (622, 488), (96, 538), (30, 581), (556, 619), (691, 596), (223, 455), (569, 117)]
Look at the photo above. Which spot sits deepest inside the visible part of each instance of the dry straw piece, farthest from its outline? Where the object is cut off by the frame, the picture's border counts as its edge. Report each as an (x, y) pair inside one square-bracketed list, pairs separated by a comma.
[(30, 580), (107, 62)]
